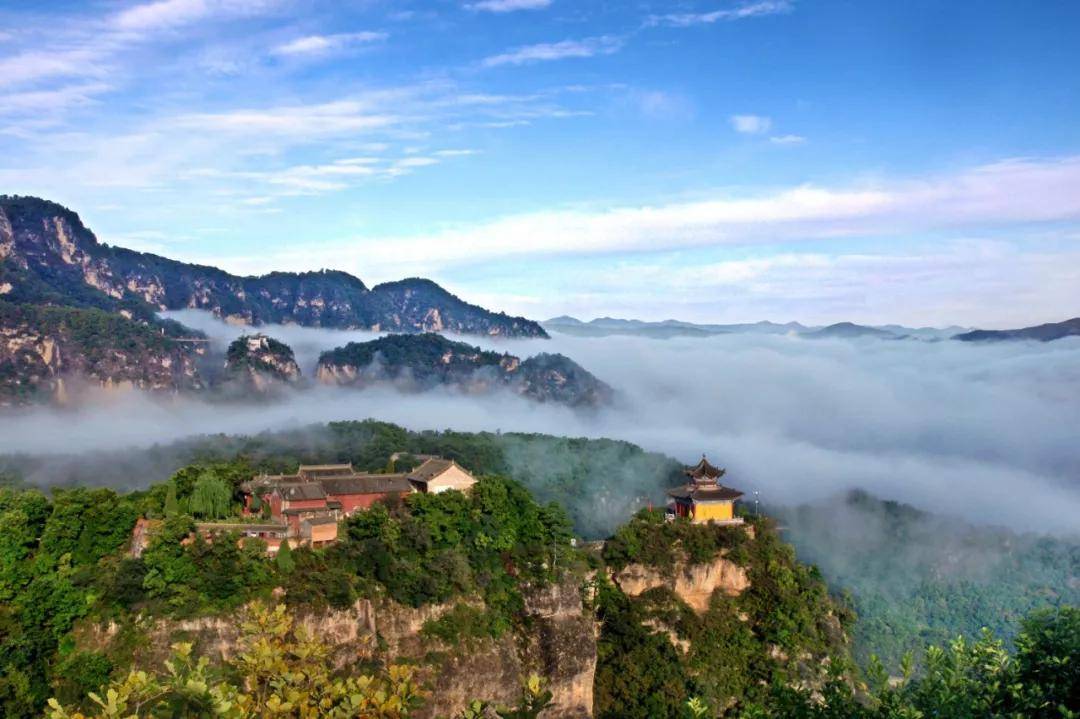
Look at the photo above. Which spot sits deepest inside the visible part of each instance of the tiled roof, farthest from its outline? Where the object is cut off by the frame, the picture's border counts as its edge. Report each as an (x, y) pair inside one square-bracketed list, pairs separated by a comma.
[(366, 484), (302, 490), (703, 470), (705, 493), (430, 469)]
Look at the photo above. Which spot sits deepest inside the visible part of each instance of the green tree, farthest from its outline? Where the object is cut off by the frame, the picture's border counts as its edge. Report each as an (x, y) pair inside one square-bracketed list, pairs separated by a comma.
[(284, 559), (211, 497), (172, 504)]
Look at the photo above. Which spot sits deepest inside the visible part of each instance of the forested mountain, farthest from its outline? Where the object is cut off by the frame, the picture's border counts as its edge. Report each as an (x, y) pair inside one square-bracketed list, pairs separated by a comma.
[(47, 256), (1042, 333), (428, 360), (45, 351), (436, 600), (917, 578)]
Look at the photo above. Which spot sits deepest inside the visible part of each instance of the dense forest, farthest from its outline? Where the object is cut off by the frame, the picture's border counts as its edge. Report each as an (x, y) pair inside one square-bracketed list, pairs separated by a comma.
[(948, 580), (917, 578)]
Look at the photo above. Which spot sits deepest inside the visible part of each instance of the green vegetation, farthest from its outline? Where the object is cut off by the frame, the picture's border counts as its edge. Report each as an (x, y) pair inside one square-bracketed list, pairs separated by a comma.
[(239, 358), (62, 561), (427, 356), (656, 653), (917, 579), (93, 338), (1040, 680)]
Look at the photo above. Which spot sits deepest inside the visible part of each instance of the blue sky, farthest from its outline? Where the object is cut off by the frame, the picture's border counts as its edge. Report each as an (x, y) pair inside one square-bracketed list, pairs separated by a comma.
[(915, 162)]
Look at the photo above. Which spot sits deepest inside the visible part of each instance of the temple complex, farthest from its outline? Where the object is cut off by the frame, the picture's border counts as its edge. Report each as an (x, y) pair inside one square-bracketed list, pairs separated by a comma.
[(703, 498)]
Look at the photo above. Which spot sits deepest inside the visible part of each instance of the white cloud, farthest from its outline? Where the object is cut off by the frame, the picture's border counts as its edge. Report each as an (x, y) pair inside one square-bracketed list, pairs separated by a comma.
[(308, 121), (990, 196), (500, 6), (26, 67), (52, 101), (166, 14), (319, 44), (748, 10), (751, 124), (787, 139), (543, 52)]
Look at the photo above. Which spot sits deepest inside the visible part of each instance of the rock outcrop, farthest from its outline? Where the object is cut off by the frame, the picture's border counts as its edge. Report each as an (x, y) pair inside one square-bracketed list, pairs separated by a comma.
[(560, 646), (48, 256), (47, 351), (693, 583), (261, 363), (420, 362)]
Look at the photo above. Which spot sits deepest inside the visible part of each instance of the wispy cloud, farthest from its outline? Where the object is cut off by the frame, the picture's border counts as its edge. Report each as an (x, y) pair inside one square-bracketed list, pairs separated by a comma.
[(500, 6), (742, 12), (751, 124), (321, 44), (165, 14), (544, 52), (305, 121), (997, 195), (787, 139)]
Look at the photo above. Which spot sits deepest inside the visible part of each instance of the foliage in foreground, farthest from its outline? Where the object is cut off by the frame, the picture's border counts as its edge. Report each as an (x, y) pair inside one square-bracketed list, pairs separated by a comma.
[(965, 680), (279, 671)]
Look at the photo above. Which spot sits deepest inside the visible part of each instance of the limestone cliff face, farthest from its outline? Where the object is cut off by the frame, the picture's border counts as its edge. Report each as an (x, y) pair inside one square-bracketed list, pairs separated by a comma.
[(48, 255), (420, 362), (45, 352), (561, 646), (693, 583), (261, 364)]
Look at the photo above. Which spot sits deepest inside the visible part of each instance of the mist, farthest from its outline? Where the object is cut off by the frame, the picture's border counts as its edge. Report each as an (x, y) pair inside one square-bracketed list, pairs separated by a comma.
[(986, 432)]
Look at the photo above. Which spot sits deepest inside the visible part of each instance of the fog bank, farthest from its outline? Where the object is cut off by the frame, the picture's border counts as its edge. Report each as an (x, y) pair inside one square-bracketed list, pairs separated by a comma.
[(985, 432)]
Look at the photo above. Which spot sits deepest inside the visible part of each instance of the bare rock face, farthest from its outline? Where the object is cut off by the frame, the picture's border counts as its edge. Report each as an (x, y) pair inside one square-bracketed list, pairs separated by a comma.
[(48, 255), (561, 647), (693, 583), (45, 351), (421, 362), (261, 363)]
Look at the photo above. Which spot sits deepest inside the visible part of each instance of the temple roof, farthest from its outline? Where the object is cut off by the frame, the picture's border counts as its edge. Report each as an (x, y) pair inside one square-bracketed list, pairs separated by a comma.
[(302, 490), (430, 469), (705, 493), (703, 471), (366, 484)]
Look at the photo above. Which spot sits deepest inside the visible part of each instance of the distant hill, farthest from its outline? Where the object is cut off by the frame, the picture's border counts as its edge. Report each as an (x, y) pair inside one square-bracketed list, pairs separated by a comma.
[(47, 256), (261, 364), (1042, 333), (420, 362), (847, 330), (666, 329)]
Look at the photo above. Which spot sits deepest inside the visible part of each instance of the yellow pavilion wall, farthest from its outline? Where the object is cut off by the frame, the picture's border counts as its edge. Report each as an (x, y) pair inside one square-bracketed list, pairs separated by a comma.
[(718, 511)]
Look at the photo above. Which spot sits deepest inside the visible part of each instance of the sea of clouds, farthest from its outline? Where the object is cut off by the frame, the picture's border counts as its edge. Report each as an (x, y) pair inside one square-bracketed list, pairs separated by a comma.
[(987, 432)]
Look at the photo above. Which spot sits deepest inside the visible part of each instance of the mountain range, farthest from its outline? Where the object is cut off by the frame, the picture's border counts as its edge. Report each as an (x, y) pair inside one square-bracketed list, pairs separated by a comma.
[(1042, 333), (420, 362), (666, 329), (47, 256)]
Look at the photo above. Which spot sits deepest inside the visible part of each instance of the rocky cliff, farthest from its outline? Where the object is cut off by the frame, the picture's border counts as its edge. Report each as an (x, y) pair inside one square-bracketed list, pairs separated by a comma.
[(420, 362), (560, 647), (48, 256), (261, 363), (46, 353), (694, 584)]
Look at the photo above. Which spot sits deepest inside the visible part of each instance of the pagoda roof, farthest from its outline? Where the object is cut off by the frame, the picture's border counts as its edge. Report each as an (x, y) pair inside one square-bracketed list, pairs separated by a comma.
[(703, 470), (705, 493)]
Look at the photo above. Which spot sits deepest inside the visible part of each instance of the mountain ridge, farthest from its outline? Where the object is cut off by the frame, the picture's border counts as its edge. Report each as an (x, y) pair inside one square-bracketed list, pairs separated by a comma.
[(48, 256)]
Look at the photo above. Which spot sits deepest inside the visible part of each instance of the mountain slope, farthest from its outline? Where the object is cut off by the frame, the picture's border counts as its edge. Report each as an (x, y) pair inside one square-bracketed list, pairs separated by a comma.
[(1043, 333), (846, 330), (429, 360), (47, 256), (41, 348)]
